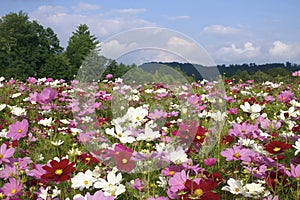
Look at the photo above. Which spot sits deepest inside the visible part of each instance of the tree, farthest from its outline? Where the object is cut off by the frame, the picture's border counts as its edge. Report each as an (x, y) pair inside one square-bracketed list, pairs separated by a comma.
[(81, 43), (25, 46)]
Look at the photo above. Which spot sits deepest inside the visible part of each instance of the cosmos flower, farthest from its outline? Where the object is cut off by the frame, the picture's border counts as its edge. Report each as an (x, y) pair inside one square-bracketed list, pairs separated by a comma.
[(6, 153), (237, 153), (18, 130), (297, 146), (58, 171), (200, 190), (83, 180), (234, 186), (12, 188), (276, 147), (97, 196), (46, 96)]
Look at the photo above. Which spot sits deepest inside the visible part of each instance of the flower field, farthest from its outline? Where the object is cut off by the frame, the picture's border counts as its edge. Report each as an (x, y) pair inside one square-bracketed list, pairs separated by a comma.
[(116, 141)]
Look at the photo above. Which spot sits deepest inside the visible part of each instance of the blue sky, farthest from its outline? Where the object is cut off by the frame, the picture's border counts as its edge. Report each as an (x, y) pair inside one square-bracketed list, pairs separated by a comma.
[(231, 31)]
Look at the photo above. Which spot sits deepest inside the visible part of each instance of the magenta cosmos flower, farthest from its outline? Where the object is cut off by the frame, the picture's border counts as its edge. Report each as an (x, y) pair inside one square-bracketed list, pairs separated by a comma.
[(5, 153), (47, 95), (18, 130), (98, 195), (12, 188), (237, 153)]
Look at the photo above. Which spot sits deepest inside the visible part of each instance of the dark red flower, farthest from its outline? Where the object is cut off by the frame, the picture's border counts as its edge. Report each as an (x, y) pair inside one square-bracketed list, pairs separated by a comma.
[(58, 171), (200, 135), (227, 139), (201, 190), (88, 159), (276, 147), (122, 157)]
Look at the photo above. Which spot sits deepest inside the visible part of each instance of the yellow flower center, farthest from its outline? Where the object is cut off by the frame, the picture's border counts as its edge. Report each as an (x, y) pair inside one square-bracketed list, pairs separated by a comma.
[(138, 118), (88, 159), (13, 191), (58, 172), (237, 155), (171, 172), (124, 160), (20, 131), (119, 134), (198, 137), (1, 156), (276, 149), (198, 192), (237, 190), (86, 182)]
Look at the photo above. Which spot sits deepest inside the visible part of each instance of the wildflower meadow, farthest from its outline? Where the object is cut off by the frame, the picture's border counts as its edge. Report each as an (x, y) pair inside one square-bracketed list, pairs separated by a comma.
[(186, 142)]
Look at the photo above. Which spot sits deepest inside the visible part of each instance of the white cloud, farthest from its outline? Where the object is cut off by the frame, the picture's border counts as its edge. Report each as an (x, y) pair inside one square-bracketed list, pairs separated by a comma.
[(221, 29), (82, 7), (127, 11), (102, 25), (233, 53), (114, 49), (180, 17), (189, 50), (281, 50)]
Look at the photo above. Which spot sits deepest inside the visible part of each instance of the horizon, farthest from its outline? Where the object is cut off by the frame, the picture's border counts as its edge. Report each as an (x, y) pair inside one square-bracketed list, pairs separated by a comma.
[(231, 32)]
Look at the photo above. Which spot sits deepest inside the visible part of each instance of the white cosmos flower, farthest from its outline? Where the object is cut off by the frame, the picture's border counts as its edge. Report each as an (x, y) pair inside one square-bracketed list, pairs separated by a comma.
[(16, 95), (178, 157), (112, 186), (291, 113), (137, 115), (44, 192), (83, 180), (234, 186), (3, 133), (123, 136), (149, 134), (2, 106), (15, 110), (255, 108), (218, 116), (297, 146), (253, 190), (46, 121)]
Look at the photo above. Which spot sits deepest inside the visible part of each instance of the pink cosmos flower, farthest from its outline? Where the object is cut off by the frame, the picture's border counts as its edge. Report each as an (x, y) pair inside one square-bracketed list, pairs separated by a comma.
[(268, 125), (296, 73), (98, 195), (18, 130), (108, 76), (31, 80), (237, 153), (210, 161), (285, 96), (8, 172), (138, 184), (12, 188), (5, 153), (295, 171), (177, 182), (46, 96), (243, 130), (37, 171)]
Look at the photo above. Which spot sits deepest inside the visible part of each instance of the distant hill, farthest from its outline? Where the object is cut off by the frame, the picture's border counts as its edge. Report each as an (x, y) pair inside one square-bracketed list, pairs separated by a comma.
[(228, 70)]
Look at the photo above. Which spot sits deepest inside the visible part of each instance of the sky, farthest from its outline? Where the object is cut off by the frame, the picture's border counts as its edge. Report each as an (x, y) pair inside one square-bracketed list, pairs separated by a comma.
[(230, 32)]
